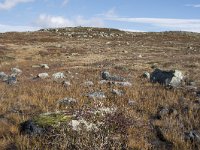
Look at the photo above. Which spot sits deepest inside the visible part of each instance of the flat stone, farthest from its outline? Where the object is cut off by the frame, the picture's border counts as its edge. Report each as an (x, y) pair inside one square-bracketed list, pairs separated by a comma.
[(58, 75), (97, 95), (43, 75)]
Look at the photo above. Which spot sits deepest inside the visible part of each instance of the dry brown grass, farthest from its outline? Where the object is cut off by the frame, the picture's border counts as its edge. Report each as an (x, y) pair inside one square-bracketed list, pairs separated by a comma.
[(132, 127)]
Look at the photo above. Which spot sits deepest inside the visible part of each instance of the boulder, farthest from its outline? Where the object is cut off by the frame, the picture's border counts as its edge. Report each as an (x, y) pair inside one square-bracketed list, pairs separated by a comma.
[(172, 78), (30, 127), (106, 76)]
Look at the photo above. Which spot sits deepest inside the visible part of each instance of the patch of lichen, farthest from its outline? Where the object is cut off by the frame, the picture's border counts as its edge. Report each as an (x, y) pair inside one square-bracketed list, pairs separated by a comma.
[(51, 119)]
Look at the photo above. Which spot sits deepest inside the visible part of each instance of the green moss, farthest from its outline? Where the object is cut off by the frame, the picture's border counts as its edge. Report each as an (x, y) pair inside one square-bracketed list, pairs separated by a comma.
[(53, 119)]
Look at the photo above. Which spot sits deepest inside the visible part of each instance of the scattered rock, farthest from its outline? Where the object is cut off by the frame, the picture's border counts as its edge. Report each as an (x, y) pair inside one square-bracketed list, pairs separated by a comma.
[(16, 71), (128, 84), (66, 83), (131, 102), (117, 92), (43, 75), (193, 136), (105, 110), (66, 102), (146, 75), (167, 78), (88, 83), (97, 95), (45, 66), (78, 124), (31, 128), (11, 80), (58, 75), (198, 93), (106, 76), (164, 112), (3, 76)]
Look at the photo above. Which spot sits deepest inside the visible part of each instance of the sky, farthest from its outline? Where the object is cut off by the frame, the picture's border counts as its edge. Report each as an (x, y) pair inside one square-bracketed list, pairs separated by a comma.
[(130, 15)]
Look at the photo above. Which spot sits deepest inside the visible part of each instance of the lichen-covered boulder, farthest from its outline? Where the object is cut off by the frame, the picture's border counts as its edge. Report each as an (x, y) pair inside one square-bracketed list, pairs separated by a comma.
[(172, 78)]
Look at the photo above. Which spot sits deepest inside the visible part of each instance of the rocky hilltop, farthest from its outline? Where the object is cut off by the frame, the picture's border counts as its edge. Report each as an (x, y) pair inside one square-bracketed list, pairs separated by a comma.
[(99, 88)]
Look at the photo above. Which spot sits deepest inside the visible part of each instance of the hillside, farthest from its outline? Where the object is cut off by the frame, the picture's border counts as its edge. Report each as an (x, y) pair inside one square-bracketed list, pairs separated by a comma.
[(77, 109)]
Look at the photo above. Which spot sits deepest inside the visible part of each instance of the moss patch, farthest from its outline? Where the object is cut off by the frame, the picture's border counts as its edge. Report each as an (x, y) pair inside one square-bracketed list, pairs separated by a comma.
[(53, 119)]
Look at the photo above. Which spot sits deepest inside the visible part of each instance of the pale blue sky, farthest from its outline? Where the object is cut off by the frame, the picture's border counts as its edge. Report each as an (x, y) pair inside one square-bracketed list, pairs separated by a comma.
[(135, 15)]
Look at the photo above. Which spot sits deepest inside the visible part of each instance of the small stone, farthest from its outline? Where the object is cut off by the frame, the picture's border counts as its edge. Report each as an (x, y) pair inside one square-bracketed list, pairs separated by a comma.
[(193, 136), (16, 71), (107, 43), (43, 75), (58, 75), (124, 51), (45, 66), (146, 75), (125, 84), (106, 76), (66, 83), (131, 102), (88, 83), (11, 80), (66, 102), (97, 95), (3, 76), (117, 92)]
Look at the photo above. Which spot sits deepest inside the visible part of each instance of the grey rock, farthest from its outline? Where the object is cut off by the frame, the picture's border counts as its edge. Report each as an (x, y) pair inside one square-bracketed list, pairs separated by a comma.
[(58, 75), (88, 83), (164, 112), (97, 95), (117, 92), (193, 136), (168, 78), (43, 75), (66, 102), (125, 84), (11, 80), (16, 71), (106, 76), (66, 83), (198, 93), (45, 66), (146, 75), (3, 76), (29, 127)]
